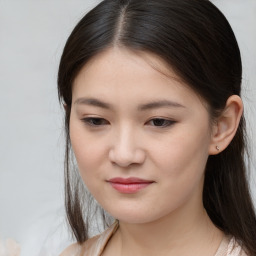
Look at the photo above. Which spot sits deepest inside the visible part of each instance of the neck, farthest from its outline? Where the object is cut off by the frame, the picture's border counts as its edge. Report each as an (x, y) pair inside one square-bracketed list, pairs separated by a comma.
[(179, 233)]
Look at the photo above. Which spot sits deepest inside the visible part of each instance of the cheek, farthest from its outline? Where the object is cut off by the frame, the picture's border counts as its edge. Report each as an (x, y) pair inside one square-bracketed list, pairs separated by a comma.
[(183, 157), (88, 150), (181, 163)]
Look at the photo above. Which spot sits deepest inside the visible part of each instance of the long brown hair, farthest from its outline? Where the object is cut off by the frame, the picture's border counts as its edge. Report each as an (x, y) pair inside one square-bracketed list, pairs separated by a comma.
[(196, 40)]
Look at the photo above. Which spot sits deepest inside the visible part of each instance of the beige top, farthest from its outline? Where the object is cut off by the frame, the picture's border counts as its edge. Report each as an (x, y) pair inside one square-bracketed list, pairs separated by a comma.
[(95, 246)]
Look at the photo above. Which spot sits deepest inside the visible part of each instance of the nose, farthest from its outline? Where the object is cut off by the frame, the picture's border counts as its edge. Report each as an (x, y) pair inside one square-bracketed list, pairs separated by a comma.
[(125, 150)]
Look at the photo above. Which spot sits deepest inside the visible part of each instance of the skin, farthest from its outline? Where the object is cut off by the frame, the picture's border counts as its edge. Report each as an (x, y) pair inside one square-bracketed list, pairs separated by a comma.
[(167, 144)]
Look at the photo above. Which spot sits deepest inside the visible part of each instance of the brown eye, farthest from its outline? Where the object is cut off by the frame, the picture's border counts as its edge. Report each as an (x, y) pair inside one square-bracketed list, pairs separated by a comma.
[(94, 121), (160, 122)]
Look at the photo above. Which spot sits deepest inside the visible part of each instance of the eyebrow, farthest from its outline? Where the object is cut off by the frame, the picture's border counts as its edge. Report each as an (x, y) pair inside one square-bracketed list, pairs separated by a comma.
[(92, 102), (142, 107), (160, 104)]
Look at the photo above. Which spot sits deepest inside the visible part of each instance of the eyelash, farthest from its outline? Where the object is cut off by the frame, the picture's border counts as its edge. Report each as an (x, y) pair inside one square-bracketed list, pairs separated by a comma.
[(98, 122), (91, 121), (165, 122)]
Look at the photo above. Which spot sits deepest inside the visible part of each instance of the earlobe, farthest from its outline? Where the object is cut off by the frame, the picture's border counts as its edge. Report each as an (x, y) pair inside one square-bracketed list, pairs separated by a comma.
[(226, 125)]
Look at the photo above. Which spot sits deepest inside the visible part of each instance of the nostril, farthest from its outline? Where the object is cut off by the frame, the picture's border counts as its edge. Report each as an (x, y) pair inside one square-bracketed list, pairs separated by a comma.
[(120, 158), (125, 158)]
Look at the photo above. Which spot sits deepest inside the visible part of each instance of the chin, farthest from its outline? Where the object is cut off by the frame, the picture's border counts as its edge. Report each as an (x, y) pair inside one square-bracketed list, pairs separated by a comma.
[(135, 217)]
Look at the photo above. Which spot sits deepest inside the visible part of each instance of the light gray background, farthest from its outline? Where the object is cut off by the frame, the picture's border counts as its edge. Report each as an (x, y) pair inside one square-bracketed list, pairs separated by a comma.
[(32, 36)]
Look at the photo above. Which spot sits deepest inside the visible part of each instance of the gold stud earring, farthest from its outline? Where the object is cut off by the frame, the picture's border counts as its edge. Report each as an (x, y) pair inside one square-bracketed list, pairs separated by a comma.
[(218, 148)]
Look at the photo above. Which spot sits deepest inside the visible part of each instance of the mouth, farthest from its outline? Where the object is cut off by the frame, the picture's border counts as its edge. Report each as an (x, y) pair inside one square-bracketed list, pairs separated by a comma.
[(129, 185)]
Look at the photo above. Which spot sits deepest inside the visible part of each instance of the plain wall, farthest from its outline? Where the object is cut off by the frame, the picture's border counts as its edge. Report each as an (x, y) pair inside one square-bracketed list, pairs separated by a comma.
[(32, 36)]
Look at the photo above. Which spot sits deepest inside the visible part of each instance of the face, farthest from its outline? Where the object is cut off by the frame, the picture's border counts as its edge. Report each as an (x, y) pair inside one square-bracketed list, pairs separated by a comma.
[(141, 138)]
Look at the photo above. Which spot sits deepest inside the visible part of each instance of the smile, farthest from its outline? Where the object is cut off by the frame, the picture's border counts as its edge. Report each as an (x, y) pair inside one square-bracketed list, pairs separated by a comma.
[(129, 185)]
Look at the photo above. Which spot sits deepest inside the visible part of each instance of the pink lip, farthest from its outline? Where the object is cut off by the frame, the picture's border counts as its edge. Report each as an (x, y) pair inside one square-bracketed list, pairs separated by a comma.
[(129, 185)]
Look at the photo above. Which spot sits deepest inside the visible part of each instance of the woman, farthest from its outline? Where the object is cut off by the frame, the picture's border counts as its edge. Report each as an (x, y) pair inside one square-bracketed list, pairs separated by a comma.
[(155, 121)]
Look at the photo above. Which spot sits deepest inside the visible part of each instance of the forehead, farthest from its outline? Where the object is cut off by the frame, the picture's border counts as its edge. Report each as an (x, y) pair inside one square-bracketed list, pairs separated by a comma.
[(126, 74), (127, 59)]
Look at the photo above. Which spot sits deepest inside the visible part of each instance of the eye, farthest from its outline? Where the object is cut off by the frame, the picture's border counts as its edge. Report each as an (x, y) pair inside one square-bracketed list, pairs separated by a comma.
[(161, 122), (95, 121)]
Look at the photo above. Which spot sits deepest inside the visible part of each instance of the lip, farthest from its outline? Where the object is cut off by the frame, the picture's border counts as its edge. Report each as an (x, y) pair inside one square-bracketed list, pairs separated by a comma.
[(129, 185)]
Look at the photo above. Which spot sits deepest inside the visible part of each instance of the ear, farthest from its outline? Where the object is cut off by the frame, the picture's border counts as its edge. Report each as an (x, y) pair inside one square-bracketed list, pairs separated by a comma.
[(226, 125)]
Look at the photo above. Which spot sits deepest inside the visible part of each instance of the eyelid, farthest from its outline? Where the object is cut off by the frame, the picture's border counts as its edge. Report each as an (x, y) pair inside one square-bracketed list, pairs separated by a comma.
[(168, 122), (98, 122), (88, 121)]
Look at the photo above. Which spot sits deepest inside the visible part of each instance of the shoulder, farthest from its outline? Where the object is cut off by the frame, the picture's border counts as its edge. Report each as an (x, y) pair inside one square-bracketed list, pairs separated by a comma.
[(235, 248), (93, 246), (77, 249), (72, 250)]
